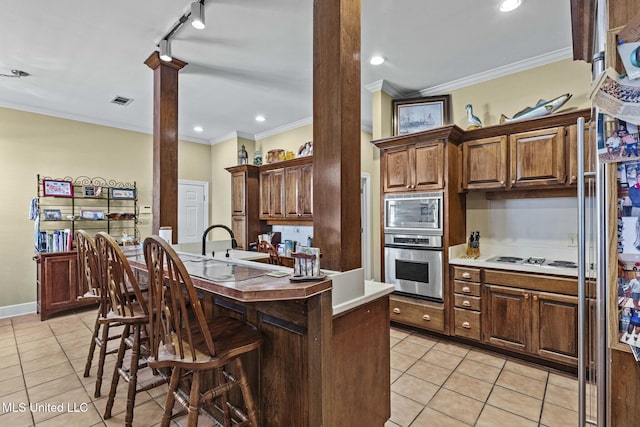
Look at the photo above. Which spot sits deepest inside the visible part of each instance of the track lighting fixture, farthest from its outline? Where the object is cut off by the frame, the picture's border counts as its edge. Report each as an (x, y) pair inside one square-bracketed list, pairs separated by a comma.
[(197, 14), (165, 50), (16, 73)]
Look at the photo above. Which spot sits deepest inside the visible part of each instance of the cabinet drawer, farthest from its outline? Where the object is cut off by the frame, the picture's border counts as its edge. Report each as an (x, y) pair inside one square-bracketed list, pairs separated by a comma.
[(467, 302), (467, 323), (417, 313), (464, 273), (466, 288)]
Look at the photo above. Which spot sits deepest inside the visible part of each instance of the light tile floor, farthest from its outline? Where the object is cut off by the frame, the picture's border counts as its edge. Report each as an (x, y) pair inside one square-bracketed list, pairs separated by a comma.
[(444, 384), (433, 383)]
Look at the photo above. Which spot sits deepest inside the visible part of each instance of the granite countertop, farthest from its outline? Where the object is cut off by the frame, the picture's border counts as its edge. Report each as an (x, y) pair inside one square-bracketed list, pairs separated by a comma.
[(489, 251)]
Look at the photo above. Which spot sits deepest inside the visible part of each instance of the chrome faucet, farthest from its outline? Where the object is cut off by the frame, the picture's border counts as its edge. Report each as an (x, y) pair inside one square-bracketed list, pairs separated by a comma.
[(234, 244)]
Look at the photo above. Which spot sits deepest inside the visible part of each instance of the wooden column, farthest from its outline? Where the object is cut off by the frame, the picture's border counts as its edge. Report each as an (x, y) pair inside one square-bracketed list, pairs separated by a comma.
[(165, 142), (336, 133)]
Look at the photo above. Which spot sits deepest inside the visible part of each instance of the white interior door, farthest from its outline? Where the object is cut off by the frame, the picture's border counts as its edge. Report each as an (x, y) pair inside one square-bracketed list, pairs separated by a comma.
[(193, 210)]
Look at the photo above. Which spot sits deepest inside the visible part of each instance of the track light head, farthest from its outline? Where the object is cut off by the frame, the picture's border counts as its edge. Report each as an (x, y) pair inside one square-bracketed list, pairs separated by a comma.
[(165, 50), (197, 15)]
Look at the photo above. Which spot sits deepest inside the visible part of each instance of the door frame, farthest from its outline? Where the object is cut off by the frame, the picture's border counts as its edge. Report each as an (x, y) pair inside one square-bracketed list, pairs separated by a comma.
[(365, 208), (205, 191)]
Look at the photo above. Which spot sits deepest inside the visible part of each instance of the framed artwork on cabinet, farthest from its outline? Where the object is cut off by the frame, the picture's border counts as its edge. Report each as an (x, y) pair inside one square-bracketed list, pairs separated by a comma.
[(57, 188), (52, 214), (420, 114)]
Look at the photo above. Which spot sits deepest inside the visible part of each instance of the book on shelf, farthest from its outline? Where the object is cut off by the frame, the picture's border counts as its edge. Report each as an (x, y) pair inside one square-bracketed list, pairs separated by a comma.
[(55, 240)]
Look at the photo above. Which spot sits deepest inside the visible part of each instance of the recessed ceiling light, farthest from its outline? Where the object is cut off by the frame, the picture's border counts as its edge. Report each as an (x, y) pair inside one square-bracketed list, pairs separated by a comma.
[(198, 128), (509, 5), (376, 60), (260, 118)]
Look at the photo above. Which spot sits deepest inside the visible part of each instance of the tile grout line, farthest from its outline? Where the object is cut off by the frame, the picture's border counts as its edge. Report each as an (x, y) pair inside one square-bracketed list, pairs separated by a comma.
[(24, 381)]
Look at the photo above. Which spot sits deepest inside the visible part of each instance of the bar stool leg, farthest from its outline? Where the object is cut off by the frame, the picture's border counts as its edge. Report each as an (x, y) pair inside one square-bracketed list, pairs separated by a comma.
[(133, 376), (168, 404), (101, 358), (194, 400), (246, 393), (92, 347), (225, 398), (116, 374)]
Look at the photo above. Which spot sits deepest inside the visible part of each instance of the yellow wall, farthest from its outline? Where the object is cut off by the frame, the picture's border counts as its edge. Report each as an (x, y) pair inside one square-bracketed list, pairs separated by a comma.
[(510, 94), (32, 144)]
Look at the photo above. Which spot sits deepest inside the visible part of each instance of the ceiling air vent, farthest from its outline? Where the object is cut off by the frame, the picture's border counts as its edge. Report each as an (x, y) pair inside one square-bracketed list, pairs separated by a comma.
[(121, 100)]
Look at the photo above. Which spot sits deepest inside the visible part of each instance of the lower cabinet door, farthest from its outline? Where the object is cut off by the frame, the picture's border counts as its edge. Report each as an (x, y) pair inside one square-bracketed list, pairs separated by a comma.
[(555, 327), (507, 317)]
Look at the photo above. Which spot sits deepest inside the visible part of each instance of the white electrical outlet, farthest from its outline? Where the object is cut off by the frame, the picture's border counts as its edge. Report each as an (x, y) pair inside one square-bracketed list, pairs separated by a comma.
[(572, 240)]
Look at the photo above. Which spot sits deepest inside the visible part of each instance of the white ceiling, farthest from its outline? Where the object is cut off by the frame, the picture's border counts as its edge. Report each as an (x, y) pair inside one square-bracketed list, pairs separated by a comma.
[(254, 57)]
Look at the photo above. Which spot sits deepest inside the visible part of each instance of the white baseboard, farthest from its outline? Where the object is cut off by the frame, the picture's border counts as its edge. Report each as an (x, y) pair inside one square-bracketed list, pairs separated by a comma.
[(18, 309)]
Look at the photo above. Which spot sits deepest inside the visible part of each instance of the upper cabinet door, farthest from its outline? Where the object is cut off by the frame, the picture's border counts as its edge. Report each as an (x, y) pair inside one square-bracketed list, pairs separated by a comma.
[(485, 163), (305, 191), (537, 158), (238, 180), (429, 167), (291, 182), (395, 166)]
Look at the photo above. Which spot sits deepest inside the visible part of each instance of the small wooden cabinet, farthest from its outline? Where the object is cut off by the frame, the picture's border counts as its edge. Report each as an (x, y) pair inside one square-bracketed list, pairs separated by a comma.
[(537, 158), (416, 167), (58, 287)]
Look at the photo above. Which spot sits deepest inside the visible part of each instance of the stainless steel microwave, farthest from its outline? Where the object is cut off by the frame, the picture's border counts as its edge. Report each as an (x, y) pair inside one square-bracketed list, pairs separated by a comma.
[(413, 213)]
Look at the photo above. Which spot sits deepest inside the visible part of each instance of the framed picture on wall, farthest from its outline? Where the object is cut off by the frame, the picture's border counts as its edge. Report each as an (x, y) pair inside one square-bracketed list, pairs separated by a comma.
[(91, 191), (420, 114), (57, 188), (123, 193)]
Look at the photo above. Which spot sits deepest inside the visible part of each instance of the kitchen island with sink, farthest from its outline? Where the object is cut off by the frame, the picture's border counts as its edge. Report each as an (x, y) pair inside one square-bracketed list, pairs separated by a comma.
[(325, 358)]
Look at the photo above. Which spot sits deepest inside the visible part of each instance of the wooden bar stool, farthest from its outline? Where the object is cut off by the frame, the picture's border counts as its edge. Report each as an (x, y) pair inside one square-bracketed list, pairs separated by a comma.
[(185, 341), (127, 306), (91, 280), (268, 248)]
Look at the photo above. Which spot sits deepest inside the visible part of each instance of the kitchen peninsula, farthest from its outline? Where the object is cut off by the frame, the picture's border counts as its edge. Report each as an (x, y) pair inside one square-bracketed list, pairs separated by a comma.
[(323, 348)]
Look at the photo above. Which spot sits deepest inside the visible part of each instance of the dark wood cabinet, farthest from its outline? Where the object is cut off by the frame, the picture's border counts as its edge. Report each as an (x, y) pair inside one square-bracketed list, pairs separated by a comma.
[(298, 187), (58, 287), (245, 190), (537, 158), (467, 312), (536, 154), (416, 167), (532, 321), (484, 163), (272, 194)]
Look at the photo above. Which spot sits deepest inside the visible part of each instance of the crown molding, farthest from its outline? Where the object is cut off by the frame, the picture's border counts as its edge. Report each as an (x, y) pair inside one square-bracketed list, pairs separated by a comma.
[(93, 121), (515, 67), (232, 135), (284, 128), (384, 86)]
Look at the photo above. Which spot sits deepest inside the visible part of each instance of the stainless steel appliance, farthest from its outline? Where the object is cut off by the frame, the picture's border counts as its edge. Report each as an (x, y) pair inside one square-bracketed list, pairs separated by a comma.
[(534, 261), (413, 263), (415, 213)]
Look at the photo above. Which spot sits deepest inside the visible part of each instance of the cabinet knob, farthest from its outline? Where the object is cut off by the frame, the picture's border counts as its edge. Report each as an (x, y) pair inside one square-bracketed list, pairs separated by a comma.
[(466, 325), (466, 275), (408, 187), (413, 186), (426, 317), (573, 177), (526, 296), (466, 303), (535, 297), (513, 181), (466, 289), (501, 182), (396, 310)]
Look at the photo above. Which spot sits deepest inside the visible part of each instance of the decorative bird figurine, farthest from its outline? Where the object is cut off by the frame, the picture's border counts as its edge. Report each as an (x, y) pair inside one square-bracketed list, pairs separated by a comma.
[(473, 122)]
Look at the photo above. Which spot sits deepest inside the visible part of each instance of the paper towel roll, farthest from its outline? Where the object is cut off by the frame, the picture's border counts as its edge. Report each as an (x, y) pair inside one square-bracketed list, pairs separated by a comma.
[(166, 234)]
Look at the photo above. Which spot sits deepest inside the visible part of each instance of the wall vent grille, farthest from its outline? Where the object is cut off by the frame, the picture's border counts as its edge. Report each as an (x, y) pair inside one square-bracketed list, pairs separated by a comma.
[(121, 100)]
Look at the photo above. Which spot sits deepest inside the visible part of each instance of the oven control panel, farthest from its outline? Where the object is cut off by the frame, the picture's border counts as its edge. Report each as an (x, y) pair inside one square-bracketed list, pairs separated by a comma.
[(413, 240)]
